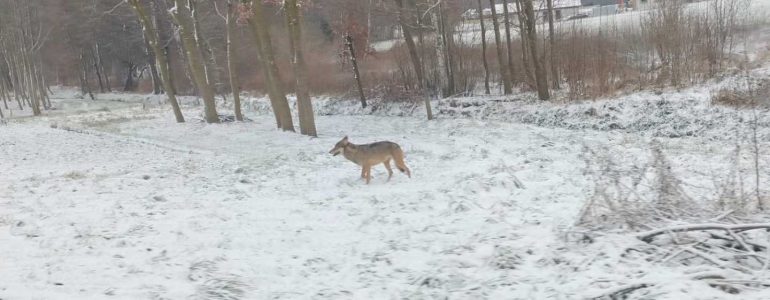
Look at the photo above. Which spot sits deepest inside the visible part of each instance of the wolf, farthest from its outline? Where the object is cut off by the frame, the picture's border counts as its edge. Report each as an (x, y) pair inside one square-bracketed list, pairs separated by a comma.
[(369, 155)]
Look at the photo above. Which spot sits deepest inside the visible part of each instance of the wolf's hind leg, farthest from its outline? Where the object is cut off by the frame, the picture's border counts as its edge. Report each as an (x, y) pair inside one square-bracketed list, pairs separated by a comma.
[(390, 170)]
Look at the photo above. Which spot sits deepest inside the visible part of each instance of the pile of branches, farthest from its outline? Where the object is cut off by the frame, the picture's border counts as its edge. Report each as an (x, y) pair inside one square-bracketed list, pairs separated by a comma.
[(733, 258), (728, 252)]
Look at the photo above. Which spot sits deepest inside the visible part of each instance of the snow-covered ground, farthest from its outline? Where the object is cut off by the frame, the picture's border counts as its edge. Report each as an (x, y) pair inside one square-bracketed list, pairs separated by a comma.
[(111, 199)]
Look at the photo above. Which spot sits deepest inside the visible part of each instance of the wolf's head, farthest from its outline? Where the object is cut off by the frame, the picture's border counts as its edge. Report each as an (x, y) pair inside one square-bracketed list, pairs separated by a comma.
[(339, 147)]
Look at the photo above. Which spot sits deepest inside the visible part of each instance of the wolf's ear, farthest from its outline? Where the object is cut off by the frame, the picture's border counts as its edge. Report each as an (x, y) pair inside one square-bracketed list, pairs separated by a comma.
[(345, 139)]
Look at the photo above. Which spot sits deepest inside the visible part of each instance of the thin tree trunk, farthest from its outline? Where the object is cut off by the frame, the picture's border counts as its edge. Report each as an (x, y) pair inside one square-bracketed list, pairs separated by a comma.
[(511, 64), (552, 48), (97, 69), (157, 85), (183, 18), (356, 74), (152, 35), (484, 48), (447, 43), (13, 76), (530, 79), (210, 60), (369, 23), (84, 73), (235, 85), (304, 104), (407, 32), (39, 85), (541, 77), (106, 75), (440, 72), (4, 93), (128, 86), (44, 90), (270, 69), (499, 48), (34, 96), (200, 41)]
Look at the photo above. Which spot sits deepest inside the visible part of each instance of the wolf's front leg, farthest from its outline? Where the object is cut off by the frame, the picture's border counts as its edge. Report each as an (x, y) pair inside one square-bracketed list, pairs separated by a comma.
[(368, 173)]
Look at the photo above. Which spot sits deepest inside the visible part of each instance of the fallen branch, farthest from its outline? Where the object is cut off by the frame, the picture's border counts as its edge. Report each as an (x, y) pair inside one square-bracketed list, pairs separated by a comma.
[(621, 292), (649, 235)]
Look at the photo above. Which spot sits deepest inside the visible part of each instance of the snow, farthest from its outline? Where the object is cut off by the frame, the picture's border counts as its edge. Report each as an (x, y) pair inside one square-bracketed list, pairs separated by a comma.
[(113, 199)]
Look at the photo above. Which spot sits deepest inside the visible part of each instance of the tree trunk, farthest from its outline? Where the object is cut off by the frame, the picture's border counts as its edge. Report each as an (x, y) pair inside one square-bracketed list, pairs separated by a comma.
[(31, 84), (42, 87), (499, 48), (152, 35), (13, 75), (97, 68), (235, 85), (183, 18), (541, 77), (209, 59), (440, 73), (128, 86), (39, 88), (4, 91), (304, 104), (511, 68), (484, 48), (524, 46), (106, 75), (275, 88), (84, 71), (446, 37), (407, 32), (552, 47), (157, 86), (356, 74)]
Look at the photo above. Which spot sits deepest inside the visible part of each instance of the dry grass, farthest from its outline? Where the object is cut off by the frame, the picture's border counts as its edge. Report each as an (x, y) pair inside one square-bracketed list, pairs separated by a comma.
[(756, 96)]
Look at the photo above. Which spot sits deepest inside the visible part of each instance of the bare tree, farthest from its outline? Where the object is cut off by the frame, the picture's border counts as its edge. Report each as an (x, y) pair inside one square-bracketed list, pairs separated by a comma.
[(415, 57), (304, 105), (152, 37), (484, 47), (504, 76), (530, 25), (552, 46), (511, 64), (275, 89), (235, 86), (182, 16), (354, 62)]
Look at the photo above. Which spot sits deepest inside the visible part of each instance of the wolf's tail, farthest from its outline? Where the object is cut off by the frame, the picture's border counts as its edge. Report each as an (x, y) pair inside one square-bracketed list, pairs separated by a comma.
[(398, 158)]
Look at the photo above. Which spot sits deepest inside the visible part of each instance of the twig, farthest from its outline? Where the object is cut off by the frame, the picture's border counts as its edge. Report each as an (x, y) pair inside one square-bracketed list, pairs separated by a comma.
[(722, 216), (722, 237), (740, 241), (620, 292), (649, 235), (706, 256)]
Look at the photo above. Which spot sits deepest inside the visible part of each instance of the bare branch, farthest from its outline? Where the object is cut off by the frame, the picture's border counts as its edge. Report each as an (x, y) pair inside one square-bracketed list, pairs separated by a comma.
[(649, 235)]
